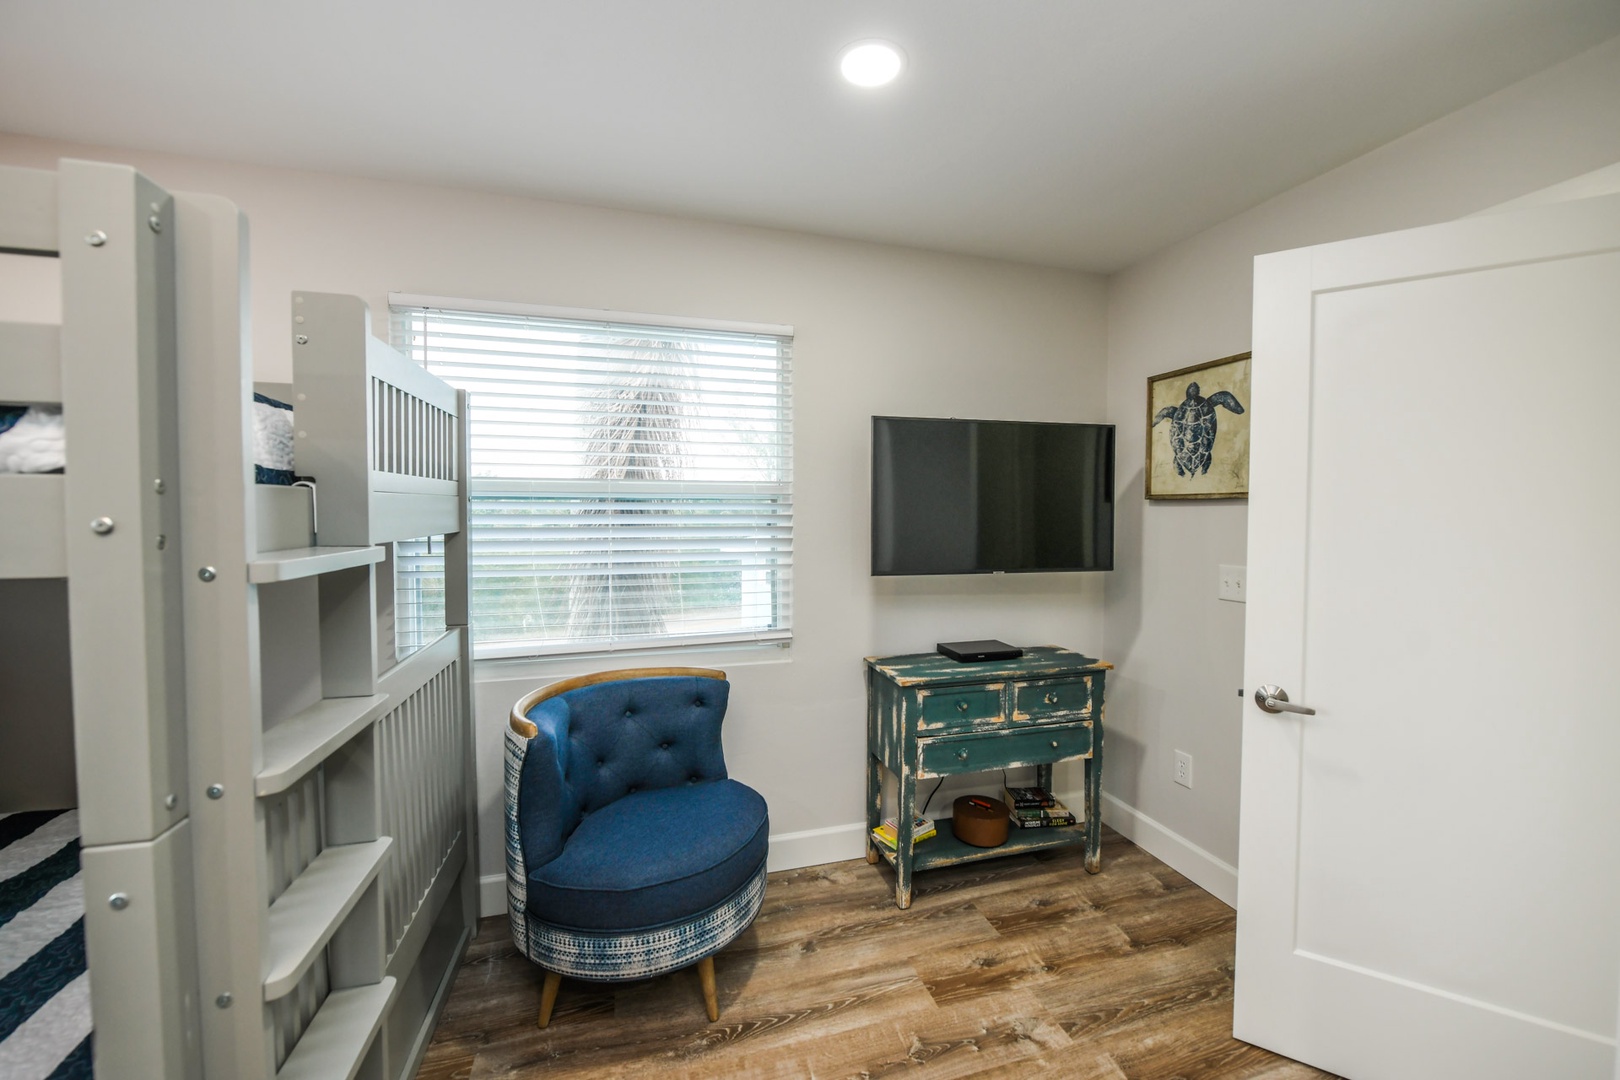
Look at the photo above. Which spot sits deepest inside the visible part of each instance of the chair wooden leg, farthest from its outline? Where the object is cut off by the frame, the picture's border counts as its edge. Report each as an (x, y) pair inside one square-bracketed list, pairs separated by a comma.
[(548, 997), (706, 976)]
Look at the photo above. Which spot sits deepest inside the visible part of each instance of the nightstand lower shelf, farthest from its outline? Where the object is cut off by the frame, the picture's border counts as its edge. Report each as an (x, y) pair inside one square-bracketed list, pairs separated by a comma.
[(945, 849)]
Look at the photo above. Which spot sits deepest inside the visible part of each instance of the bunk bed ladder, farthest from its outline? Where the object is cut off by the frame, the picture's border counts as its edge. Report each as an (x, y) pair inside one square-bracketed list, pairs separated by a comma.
[(337, 809), (413, 486), (289, 824)]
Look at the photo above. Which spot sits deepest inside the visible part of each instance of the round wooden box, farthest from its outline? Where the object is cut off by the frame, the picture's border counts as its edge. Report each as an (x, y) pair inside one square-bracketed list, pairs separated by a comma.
[(980, 820)]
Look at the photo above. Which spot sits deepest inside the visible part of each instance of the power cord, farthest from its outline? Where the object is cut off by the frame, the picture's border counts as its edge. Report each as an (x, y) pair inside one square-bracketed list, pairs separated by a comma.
[(924, 811)]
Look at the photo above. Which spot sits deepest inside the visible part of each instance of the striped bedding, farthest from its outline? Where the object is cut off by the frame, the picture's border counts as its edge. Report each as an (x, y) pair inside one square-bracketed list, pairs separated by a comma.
[(44, 986)]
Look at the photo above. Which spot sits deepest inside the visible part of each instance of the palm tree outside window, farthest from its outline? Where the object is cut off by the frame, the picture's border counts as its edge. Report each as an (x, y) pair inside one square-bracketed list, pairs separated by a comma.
[(631, 481)]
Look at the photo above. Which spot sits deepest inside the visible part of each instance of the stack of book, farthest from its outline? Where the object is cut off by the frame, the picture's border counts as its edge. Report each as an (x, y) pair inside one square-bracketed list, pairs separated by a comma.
[(888, 834), (1035, 808)]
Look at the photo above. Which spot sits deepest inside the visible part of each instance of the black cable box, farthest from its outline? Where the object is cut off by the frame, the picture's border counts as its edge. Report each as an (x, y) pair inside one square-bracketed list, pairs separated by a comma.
[(969, 652)]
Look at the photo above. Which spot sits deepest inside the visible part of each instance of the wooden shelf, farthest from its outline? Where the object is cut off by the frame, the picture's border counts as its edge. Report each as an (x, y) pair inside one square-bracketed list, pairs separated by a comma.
[(295, 563), (304, 918), (302, 741), (335, 1043), (33, 540), (945, 849)]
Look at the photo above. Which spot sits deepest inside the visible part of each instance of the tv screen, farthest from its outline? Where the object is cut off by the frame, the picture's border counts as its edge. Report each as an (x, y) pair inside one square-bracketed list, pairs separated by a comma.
[(990, 496)]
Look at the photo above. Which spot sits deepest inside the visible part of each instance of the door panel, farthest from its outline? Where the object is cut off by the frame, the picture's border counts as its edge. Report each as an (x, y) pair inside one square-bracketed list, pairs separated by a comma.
[(1431, 567)]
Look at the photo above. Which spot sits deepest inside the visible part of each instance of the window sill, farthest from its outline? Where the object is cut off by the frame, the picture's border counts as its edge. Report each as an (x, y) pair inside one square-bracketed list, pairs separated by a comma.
[(730, 654)]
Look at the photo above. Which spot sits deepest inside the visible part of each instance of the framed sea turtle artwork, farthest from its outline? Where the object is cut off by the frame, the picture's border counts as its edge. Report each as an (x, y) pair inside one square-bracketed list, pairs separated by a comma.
[(1198, 431)]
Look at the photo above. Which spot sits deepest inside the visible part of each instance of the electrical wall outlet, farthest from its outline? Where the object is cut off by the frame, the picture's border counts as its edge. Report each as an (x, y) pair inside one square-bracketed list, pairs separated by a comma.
[(1234, 583), (1184, 768)]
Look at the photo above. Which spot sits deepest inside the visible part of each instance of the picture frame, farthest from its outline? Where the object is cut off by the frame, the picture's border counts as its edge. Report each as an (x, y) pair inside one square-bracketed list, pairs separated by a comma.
[(1198, 431)]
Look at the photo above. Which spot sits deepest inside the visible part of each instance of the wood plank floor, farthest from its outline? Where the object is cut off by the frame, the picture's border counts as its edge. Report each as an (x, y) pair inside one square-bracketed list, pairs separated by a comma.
[(1018, 967)]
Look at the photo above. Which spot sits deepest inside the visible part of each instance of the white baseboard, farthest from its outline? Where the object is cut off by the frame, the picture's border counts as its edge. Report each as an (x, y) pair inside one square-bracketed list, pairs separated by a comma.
[(788, 851), (1209, 873), (812, 847), (836, 843), (491, 895)]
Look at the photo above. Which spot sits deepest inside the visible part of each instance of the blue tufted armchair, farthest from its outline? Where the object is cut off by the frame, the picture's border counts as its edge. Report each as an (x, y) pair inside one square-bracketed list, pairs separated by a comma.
[(629, 852)]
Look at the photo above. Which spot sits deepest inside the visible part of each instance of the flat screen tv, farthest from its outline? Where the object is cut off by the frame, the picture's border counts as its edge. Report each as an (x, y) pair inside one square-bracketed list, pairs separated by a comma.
[(991, 496)]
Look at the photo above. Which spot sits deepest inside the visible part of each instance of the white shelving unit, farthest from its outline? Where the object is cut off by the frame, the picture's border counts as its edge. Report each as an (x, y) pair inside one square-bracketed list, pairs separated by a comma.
[(362, 911)]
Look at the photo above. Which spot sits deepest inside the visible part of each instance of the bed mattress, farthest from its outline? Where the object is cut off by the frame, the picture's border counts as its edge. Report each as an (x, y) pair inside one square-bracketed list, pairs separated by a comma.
[(44, 983)]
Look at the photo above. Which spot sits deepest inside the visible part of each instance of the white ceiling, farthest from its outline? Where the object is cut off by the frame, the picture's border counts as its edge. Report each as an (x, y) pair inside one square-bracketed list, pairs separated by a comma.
[(1076, 133)]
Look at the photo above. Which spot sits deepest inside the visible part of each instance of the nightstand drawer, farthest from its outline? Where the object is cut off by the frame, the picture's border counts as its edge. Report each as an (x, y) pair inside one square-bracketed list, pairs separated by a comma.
[(1051, 699), (1003, 749), (953, 707)]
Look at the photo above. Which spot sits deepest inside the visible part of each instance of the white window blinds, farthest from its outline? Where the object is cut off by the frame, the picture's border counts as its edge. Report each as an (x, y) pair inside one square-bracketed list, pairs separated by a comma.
[(631, 483)]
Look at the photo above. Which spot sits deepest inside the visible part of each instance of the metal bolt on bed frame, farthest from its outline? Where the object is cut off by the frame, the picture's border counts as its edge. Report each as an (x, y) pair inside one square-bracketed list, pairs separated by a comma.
[(96, 239), (102, 526), (118, 901)]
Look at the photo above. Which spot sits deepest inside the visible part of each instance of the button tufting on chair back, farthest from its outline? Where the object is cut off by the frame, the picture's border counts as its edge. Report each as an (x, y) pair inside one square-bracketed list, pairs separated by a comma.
[(643, 735)]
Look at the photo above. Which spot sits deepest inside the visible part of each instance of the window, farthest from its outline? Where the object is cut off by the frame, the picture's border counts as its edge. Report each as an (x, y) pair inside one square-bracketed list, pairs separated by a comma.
[(418, 611), (631, 479)]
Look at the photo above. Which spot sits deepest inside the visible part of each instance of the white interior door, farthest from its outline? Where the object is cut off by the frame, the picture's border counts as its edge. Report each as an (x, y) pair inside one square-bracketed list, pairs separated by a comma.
[(1430, 865)]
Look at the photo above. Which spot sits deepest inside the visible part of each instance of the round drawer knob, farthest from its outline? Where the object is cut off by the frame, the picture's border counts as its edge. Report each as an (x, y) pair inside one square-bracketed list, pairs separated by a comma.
[(961, 706), (961, 755), (1051, 699), (1054, 744)]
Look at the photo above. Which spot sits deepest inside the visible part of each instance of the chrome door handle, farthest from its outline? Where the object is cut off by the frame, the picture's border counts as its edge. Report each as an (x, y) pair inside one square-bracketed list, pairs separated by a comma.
[(1274, 699)]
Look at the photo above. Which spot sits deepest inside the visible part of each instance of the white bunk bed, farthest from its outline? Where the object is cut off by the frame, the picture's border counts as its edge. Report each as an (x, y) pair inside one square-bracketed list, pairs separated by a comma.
[(283, 808)]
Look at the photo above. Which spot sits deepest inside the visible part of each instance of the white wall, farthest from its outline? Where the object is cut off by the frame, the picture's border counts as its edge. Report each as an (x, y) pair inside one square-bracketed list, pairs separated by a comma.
[(879, 330), (891, 330), (1179, 648)]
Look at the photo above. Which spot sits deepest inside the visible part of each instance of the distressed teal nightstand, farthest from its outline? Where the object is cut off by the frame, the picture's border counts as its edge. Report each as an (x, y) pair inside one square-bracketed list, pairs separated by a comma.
[(929, 716)]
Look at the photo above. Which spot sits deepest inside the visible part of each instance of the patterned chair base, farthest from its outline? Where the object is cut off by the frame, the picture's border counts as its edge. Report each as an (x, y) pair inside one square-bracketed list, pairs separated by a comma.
[(603, 957)]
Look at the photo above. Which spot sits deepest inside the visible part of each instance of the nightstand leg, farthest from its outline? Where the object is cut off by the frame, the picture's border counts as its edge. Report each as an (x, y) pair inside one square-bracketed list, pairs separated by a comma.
[(1094, 804), (874, 804), (905, 814)]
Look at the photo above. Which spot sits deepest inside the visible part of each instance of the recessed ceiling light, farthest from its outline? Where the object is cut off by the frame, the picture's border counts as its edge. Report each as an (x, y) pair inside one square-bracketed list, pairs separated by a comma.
[(872, 63)]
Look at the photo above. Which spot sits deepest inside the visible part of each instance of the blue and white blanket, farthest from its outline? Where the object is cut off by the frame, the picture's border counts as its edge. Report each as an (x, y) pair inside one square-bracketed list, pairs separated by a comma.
[(272, 441), (44, 981), (32, 439)]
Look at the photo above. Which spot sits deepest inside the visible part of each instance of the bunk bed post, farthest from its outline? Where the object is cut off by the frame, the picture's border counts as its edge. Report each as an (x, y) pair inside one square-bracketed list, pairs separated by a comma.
[(458, 613), (118, 388), (122, 532), (222, 642)]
